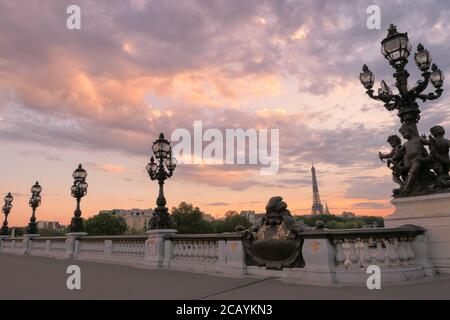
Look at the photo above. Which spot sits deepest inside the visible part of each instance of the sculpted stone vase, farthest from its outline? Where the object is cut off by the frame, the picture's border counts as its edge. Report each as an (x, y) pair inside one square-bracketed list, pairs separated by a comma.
[(275, 244)]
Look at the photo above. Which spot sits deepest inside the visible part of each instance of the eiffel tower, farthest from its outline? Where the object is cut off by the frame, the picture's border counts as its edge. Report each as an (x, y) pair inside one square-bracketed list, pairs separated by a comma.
[(317, 207)]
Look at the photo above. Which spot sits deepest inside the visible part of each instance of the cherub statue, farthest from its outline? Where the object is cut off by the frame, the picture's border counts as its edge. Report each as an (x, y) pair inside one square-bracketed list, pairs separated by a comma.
[(415, 161), (439, 154), (395, 160)]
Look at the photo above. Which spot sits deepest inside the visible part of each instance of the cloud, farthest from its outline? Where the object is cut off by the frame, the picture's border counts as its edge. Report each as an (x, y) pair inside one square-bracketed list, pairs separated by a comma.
[(370, 188), (218, 204), (110, 168), (371, 205), (141, 67)]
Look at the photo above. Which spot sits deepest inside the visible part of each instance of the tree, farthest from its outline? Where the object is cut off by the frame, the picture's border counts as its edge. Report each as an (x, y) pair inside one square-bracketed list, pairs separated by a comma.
[(339, 222), (231, 221), (189, 219), (105, 224), (49, 232)]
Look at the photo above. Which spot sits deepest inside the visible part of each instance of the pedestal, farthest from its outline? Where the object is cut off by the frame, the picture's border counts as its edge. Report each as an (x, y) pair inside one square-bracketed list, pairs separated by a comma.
[(2, 238), (431, 212), (72, 244), (319, 261), (154, 247), (27, 239)]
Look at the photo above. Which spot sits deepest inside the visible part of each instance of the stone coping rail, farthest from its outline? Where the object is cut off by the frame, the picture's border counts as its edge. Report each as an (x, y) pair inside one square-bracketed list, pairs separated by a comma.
[(404, 231)]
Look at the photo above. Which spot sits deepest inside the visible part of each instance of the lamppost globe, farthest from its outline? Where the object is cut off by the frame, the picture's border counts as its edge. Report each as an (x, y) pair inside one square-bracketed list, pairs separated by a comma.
[(9, 198), (84, 187), (436, 77), (422, 58), (161, 147), (79, 174), (396, 47), (367, 78), (36, 189), (170, 163), (152, 168)]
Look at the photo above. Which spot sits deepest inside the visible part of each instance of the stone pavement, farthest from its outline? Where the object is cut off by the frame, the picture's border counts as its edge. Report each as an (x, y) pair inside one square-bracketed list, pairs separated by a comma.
[(29, 277)]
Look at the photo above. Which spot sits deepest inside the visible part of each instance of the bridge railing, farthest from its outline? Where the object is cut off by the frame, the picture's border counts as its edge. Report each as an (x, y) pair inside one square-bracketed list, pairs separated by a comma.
[(399, 253), (330, 256)]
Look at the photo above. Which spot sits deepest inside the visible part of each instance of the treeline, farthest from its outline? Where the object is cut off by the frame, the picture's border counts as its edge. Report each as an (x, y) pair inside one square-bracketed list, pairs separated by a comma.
[(342, 222), (188, 219)]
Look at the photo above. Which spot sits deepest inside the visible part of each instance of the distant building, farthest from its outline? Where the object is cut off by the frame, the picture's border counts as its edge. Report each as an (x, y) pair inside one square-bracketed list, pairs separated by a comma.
[(207, 217), (137, 219), (54, 225), (253, 218), (347, 214)]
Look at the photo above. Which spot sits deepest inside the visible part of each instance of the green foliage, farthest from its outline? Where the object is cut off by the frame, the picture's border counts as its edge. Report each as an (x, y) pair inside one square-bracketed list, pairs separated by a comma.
[(339, 222), (231, 221), (105, 224), (189, 219), (48, 232), (134, 232)]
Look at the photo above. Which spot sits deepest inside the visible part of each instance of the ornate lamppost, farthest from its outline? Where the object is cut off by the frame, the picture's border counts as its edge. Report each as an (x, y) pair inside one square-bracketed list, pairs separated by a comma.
[(79, 190), (410, 172), (6, 210), (35, 201), (161, 170)]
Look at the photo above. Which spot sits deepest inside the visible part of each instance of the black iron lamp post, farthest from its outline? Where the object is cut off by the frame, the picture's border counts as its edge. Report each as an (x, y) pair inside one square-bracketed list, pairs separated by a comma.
[(161, 170), (35, 201), (79, 190), (6, 210), (396, 48)]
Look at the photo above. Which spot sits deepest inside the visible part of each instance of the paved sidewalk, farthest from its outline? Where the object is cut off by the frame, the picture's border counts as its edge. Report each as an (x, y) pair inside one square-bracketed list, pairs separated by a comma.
[(28, 277)]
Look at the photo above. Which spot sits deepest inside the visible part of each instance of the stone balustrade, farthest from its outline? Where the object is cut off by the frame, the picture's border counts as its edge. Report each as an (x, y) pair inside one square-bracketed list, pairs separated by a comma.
[(217, 253), (401, 253), (330, 256)]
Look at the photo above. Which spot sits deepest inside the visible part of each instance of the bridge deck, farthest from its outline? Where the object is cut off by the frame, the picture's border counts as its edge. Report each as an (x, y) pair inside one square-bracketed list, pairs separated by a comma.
[(28, 277)]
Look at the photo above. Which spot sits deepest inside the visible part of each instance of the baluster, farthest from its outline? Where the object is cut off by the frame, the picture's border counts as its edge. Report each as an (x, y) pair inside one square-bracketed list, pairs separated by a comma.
[(195, 245), (202, 250), (175, 249), (353, 255), (191, 254), (340, 256), (211, 251), (403, 254), (379, 254), (128, 248), (216, 250), (187, 250), (409, 250), (392, 252), (367, 256), (181, 249)]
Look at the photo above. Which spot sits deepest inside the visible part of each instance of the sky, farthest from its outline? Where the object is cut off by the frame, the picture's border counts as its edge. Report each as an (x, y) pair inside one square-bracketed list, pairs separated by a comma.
[(102, 94)]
